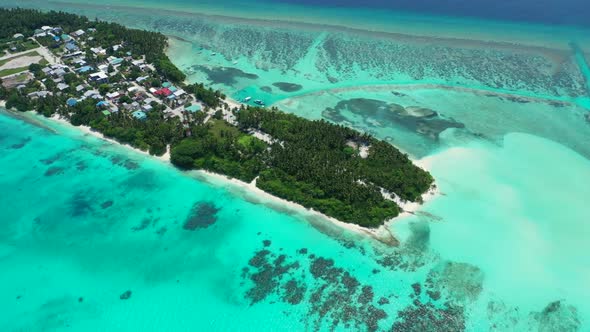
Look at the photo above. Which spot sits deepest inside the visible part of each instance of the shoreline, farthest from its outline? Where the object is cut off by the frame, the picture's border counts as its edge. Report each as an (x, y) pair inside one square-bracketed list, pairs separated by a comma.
[(255, 195), (87, 130)]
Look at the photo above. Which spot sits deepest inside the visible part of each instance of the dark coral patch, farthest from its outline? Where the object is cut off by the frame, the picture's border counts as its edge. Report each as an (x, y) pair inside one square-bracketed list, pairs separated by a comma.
[(106, 204), (422, 317), (434, 295), (224, 75), (51, 160), (335, 297), (413, 253), (126, 295), (288, 87), (417, 288), (145, 223), (130, 165), (557, 316), (54, 171), (461, 282), (81, 166), (80, 205), (293, 292), (421, 120), (21, 144), (116, 159), (202, 215), (266, 279), (162, 230), (366, 295)]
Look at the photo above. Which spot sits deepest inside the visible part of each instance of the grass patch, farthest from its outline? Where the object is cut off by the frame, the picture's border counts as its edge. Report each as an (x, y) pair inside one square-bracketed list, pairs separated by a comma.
[(29, 45), (245, 140), (219, 127), (12, 71)]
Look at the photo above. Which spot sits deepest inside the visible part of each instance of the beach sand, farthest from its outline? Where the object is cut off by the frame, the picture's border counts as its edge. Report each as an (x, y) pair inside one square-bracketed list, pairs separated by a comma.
[(250, 192)]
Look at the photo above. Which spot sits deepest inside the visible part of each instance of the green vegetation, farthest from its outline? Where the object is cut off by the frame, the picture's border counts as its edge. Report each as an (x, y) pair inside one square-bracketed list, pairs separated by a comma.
[(17, 45), (3, 91), (314, 163), (221, 148), (152, 135), (208, 96), (12, 71)]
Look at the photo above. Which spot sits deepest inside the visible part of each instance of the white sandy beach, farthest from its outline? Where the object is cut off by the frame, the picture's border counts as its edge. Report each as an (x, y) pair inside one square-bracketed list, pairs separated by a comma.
[(87, 130), (381, 234)]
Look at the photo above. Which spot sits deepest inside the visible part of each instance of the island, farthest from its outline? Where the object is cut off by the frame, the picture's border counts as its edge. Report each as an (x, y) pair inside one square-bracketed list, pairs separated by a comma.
[(121, 83)]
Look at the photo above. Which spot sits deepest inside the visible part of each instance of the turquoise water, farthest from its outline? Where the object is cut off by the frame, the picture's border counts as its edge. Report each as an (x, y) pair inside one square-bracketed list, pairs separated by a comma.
[(86, 221), (503, 248)]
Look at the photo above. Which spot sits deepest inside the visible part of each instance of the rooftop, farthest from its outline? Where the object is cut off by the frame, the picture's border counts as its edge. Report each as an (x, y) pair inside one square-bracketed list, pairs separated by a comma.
[(139, 115), (193, 108)]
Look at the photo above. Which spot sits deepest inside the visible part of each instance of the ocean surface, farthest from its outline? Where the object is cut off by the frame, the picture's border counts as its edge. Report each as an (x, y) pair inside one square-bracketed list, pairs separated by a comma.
[(98, 237)]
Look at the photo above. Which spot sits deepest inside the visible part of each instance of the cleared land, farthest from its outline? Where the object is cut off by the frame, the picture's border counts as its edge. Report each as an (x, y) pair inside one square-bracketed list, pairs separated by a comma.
[(20, 63)]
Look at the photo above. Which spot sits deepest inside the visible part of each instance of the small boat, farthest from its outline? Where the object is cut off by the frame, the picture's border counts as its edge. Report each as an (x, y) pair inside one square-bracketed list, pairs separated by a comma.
[(213, 53), (235, 62), (259, 102), (247, 99)]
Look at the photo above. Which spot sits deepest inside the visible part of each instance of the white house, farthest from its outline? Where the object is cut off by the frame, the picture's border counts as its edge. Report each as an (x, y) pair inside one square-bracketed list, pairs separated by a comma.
[(99, 77), (113, 95), (179, 93), (98, 51)]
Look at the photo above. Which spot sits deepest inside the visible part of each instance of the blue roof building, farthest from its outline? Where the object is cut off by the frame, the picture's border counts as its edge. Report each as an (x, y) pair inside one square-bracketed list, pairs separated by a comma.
[(56, 38), (71, 102), (166, 84), (84, 69), (66, 37), (139, 115), (71, 47), (116, 61), (102, 103)]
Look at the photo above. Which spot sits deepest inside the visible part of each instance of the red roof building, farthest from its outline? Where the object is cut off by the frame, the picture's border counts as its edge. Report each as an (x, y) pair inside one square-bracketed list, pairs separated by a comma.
[(163, 92)]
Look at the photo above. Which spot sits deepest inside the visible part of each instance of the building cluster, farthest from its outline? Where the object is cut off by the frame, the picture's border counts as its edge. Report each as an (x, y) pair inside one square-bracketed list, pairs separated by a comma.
[(116, 79)]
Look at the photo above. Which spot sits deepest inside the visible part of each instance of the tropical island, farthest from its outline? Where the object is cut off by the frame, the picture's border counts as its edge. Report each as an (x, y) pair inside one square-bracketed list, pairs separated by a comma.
[(121, 83)]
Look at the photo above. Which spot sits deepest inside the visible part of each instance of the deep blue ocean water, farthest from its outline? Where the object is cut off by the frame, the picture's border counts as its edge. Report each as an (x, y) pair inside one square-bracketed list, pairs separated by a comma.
[(569, 12)]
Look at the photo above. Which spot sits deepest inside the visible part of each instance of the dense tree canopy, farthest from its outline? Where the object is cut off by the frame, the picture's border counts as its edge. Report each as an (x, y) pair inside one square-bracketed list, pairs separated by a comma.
[(314, 163)]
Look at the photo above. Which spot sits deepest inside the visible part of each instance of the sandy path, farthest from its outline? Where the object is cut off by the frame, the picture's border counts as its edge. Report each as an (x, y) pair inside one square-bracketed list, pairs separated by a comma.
[(23, 61)]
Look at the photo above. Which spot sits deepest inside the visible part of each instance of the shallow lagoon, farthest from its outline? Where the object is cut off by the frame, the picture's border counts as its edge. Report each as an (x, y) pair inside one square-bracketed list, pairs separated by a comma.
[(107, 220)]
